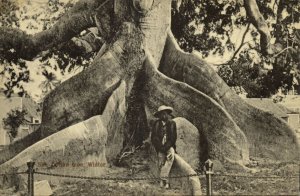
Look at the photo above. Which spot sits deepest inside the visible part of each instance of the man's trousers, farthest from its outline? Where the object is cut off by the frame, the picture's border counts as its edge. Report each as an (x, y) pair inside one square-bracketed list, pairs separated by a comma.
[(165, 164)]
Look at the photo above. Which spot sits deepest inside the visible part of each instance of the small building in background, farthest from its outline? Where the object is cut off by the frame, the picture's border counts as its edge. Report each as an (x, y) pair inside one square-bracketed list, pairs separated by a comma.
[(268, 105), (292, 102), (287, 110), (32, 118)]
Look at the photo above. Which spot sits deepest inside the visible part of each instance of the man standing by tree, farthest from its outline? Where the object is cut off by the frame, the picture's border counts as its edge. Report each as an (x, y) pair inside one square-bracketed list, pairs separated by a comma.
[(163, 138)]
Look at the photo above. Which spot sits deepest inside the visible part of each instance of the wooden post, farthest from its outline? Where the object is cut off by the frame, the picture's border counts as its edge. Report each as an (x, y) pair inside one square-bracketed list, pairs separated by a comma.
[(30, 182), (209, 166)]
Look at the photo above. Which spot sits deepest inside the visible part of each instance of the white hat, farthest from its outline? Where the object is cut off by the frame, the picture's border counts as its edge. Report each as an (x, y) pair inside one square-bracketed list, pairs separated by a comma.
[(163, 108)]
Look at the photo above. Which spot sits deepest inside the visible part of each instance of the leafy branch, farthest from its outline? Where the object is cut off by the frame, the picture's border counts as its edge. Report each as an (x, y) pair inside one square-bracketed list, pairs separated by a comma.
[(15, 118)]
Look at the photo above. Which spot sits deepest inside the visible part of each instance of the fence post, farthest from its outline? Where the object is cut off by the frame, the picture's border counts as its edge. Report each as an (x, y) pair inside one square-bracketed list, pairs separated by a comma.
[(30, 183), (209, 166)]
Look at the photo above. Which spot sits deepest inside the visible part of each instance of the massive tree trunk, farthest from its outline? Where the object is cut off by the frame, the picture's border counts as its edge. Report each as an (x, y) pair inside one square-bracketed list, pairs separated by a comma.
[(226, 142), (142, 53)]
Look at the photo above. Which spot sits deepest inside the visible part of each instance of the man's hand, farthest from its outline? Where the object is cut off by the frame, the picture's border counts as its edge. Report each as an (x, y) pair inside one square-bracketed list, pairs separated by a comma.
[(169, 155)]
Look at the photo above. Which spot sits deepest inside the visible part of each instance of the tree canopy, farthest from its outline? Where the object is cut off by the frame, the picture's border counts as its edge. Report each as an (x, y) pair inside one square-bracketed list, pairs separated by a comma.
[(206, 26)]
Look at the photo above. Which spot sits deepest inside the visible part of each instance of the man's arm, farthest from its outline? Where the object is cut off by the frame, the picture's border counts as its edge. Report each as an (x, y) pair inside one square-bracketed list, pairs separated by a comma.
[(154, 138)]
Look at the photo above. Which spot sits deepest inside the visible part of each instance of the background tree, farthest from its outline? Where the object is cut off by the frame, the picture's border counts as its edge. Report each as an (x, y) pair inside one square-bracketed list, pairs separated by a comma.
[(15, 118), (207, 26)]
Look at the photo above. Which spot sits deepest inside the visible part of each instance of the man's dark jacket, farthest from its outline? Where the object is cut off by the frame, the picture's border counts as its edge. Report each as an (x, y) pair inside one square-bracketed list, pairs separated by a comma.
[(157, 136)]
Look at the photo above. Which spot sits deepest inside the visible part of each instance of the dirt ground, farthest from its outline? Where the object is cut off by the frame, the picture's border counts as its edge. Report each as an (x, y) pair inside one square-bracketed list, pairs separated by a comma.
[(253, 182), (223, 184)]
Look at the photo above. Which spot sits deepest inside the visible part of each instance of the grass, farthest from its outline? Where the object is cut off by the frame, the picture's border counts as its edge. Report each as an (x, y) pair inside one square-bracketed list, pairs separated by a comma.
[(222, 183)]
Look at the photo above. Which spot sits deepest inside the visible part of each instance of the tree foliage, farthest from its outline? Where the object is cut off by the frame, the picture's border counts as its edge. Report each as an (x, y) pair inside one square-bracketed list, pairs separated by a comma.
[(64, 57), (202, 25), (207, 26), (14, 119)]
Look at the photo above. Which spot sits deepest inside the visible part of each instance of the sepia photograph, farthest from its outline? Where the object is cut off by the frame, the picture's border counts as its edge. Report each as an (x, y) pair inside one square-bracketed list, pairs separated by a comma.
[(149, 97)]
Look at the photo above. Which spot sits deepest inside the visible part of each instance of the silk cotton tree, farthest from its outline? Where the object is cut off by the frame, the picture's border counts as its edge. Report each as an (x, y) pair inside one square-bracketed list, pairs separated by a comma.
[(140, 52)]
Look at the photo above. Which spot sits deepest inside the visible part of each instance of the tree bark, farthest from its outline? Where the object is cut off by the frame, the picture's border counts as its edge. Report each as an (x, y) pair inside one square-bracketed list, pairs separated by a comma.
[(257, 19), (93, 86), (84, 45), (79, 18), (95, 140), (62, 108), (261, 128), (280, 8), (188, 170), (225, 140)]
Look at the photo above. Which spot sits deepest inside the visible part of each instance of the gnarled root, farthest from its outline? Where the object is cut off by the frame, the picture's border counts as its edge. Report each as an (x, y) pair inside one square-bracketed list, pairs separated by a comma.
[(226, 142), (268, 136), (188, 170), (84, 95), (79, 98), (74, 150)]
